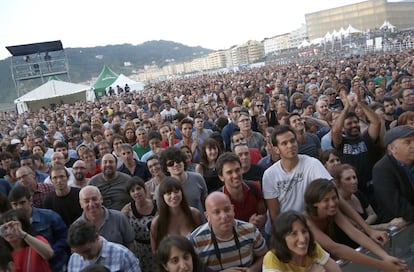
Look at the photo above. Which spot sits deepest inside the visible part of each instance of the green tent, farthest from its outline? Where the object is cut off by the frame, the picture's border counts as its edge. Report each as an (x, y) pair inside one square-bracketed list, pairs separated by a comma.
[(54, 77), (104, 80)]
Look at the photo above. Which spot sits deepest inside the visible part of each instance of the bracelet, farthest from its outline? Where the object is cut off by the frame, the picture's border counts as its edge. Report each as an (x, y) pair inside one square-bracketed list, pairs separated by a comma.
[(24, 236)]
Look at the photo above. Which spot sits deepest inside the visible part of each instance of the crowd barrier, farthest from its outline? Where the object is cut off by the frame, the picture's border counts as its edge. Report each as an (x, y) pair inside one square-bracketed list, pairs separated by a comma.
[(401, 245)]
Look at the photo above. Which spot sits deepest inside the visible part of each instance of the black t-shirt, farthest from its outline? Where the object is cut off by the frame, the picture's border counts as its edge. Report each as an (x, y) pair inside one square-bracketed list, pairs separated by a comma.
[(255, 173), (67, 206), (70, 163), (360, 153), (2, 173)]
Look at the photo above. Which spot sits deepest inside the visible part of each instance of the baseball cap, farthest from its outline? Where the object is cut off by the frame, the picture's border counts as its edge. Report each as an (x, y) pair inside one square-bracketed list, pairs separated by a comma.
[(15, 141), (398, 133)]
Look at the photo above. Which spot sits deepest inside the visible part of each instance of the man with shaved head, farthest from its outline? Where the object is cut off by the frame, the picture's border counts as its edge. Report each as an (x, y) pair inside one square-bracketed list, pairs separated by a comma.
[(112, 184), (112, 224), (224, 242)]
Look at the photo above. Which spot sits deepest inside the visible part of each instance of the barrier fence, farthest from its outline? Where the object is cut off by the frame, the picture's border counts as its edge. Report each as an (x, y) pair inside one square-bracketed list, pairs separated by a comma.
[(400, 245)]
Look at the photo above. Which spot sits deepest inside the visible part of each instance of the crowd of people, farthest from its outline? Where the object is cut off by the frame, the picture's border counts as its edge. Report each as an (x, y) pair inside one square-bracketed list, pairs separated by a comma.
[(278, 168)]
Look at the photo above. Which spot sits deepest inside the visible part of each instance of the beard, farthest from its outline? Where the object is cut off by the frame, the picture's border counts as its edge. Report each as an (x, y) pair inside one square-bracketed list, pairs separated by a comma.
[(79, 176)]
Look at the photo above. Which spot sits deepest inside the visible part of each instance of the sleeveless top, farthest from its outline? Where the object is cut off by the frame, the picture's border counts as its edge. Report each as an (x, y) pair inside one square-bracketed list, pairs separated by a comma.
[(211, 177)]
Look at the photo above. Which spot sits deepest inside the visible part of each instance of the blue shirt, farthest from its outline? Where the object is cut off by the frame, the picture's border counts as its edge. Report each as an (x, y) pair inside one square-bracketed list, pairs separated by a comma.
[(113, 256), (40, 177), (408, 170), (51, 226), (5, 187)]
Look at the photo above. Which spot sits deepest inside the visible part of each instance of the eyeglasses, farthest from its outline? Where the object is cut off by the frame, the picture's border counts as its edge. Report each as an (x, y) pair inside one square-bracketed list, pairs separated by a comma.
[(172, 162), (38, 142), (259, 105)]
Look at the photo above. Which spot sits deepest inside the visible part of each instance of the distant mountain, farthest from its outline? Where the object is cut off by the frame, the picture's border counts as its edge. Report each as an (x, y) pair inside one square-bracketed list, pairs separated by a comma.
[(85, 63)]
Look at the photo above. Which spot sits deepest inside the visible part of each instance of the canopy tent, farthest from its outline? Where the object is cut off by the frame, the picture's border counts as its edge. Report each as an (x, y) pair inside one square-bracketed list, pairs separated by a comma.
[(317, 41), (304, 43), (122, 80), (54, 77), (387, 26), (328, 36), (104, 80), (352, 30), (54, 92), (342, 32)]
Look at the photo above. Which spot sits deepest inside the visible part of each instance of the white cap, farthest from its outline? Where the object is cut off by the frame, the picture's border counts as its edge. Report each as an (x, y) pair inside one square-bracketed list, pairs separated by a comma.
[(15, 141)]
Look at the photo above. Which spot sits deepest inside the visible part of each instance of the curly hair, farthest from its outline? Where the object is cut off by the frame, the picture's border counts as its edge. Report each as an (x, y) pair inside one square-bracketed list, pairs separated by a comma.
[(172, 153)]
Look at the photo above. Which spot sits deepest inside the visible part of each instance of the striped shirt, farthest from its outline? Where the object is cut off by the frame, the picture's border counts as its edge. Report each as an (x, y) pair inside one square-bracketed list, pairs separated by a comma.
[(250, 241)]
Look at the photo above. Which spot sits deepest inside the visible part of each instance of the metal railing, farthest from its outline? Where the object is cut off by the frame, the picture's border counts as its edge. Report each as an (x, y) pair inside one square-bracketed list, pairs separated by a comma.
[(400, 245), (38, 69)]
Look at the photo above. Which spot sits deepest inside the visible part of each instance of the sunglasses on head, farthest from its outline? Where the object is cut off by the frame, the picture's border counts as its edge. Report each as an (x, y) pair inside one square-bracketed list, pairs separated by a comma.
[(172, 162)]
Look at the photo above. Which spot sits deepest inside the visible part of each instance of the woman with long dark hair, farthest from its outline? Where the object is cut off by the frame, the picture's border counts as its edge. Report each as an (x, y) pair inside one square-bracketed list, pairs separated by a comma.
[(293, 247), (209, 153), (175, 216), (176, 253)]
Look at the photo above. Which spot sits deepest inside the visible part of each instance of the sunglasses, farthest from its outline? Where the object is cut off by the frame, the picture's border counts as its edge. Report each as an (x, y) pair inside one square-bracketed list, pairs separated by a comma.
[(172, 162)]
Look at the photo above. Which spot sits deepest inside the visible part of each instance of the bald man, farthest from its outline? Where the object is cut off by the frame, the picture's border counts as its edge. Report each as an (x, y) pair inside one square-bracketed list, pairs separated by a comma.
[(112, 184), (112, 224), (227, 243)]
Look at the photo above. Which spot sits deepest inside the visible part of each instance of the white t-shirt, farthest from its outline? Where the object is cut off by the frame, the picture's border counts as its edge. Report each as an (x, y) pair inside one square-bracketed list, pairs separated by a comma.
[(289, 187)]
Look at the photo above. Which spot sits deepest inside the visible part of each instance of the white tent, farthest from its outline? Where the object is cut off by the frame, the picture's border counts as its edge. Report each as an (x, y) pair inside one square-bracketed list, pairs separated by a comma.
[(351, 30), (328, 36), (335, 34), (54, 92), (387, 25), (342, 32), (304, 43), (122, 80), (317, 41)]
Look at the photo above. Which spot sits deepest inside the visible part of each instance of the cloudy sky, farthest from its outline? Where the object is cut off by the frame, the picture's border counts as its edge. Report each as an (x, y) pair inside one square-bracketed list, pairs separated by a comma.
[(214, 24)]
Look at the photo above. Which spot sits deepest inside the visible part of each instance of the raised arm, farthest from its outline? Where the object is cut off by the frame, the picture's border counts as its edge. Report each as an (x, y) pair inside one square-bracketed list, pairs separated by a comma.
[(374, 127), (336, 130)]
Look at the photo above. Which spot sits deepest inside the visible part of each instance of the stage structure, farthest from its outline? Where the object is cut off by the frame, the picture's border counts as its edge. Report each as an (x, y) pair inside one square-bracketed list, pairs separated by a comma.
[(33, 64)]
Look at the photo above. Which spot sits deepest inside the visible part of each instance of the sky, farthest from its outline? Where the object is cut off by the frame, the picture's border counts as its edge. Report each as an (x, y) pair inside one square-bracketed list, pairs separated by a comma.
[(213, 24)]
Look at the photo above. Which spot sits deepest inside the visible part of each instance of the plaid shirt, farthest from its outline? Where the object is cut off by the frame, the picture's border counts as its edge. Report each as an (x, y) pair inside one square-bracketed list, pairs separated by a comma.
[(42, 190), (114, 256)]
